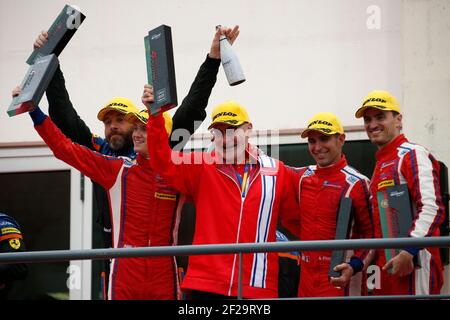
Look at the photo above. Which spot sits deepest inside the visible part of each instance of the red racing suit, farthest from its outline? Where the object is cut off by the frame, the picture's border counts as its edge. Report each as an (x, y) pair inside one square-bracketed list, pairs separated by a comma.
[(227, 213), (319, 191), (402, 162), (143, 213)]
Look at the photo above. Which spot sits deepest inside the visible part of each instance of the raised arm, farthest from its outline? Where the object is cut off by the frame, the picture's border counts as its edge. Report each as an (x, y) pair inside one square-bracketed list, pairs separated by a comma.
[(191, 113), (100, 168), (178, 168), (60, 107)]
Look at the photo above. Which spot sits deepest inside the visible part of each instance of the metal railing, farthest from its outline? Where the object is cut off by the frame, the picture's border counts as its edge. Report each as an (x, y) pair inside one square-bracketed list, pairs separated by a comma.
[(240, 248)]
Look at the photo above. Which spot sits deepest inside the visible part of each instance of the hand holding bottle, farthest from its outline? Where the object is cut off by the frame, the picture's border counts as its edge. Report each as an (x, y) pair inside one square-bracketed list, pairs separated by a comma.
[(230, 61), (230, 34)]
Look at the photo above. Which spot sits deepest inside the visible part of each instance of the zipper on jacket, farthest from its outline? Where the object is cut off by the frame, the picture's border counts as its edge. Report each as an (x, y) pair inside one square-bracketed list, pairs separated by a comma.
[(239, 225)]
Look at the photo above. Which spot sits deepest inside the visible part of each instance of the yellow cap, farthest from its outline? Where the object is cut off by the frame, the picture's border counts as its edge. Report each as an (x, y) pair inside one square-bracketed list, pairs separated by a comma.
[(229, 112), (142, 116), (324, 122), (379, 99), (118, 104)]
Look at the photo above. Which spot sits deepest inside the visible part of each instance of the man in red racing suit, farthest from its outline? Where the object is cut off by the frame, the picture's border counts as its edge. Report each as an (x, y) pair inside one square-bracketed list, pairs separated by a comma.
[(402, 162), (143, 209), (319, 189), (238, 195)]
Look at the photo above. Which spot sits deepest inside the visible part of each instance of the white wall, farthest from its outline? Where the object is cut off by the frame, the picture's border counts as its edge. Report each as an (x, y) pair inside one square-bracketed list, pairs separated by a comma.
[(299, 56), (426, 79), (426, 74)]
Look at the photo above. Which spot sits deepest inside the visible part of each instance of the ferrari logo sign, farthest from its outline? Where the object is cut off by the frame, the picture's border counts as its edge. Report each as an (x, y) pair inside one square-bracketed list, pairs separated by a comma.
[(14, 243)]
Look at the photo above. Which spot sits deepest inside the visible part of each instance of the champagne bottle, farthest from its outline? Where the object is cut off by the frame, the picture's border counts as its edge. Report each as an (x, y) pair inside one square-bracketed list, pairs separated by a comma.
[(230, 63)]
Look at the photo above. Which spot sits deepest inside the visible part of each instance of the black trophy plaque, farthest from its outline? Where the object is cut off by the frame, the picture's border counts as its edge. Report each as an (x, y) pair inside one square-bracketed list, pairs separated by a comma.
[(34, 85), (59, 33), (161, 68), (396, 214), (344, 218)]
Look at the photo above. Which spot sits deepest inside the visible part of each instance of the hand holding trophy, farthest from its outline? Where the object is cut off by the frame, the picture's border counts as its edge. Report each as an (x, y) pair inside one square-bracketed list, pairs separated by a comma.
[(43, 60)]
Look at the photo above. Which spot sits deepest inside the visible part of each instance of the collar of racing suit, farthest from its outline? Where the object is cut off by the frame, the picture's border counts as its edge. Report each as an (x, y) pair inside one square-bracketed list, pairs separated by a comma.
[(391, 146), (251, 155), (143, 162), (336, 167)]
